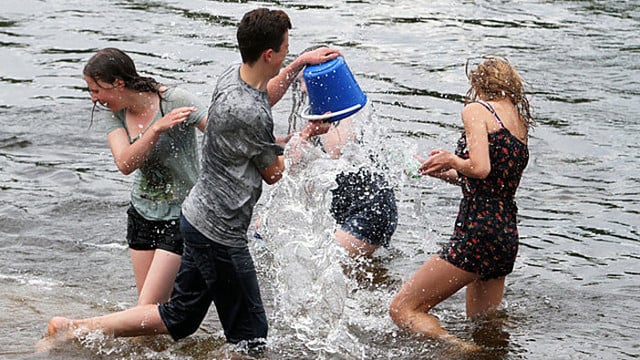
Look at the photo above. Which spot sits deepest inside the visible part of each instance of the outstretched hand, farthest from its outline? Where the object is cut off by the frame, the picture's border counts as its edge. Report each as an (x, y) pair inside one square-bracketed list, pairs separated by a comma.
[(438, 162), (438, 165)]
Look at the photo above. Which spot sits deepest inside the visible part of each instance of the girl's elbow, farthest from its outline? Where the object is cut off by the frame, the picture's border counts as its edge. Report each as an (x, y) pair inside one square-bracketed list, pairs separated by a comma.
[(126, 171), (483, 173), (124, 168), (478, 171)]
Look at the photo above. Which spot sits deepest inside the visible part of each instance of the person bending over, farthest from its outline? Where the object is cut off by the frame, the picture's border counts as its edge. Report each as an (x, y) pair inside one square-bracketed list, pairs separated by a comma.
[(151, 133)]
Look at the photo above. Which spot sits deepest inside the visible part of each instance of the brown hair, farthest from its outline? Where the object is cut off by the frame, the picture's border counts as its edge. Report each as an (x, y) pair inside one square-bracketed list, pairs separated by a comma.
[(259, 30), (109, 64), (495, 79)]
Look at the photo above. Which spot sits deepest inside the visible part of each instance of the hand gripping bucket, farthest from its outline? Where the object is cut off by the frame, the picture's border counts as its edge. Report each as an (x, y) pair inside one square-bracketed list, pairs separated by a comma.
[(332, 87)]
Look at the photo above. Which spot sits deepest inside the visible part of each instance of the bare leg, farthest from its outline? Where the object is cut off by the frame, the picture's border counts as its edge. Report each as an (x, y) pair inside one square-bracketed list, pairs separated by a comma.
[(483, 296), (137, 321), (141, 262), (355, 248), (159, 278), (435, 281)]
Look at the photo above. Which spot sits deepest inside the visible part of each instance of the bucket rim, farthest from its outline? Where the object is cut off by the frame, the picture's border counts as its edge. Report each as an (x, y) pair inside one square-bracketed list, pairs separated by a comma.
[(305, 113), (322, 68)]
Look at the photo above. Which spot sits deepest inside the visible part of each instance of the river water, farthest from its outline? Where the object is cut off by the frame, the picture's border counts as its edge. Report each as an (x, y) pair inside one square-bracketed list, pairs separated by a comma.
[(573, 293)]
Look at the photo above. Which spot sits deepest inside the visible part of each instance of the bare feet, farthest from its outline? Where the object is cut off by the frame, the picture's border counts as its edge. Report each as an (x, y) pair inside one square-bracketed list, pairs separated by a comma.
[(460, 346), (59, 331)]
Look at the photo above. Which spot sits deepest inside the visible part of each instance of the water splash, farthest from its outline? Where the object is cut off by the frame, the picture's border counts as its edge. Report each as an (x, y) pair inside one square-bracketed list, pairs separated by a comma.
[(319, 303), (304, 266)]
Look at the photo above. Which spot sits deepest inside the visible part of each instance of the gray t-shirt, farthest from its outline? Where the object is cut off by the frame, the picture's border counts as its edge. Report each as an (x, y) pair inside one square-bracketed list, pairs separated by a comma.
[(238, 141), (165, 178)]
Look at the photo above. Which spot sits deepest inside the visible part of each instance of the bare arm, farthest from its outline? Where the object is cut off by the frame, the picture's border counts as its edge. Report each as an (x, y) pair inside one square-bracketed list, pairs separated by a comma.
[(202, 124), (300, 144), (273, 173), (283, 140), (450, 176), (129, 157), (478, 165), (338, 136), (278, 85)]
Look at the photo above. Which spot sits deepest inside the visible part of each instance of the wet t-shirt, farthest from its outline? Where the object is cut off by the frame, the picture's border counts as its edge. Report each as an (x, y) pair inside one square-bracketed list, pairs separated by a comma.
[(163, 181), (238, 142)]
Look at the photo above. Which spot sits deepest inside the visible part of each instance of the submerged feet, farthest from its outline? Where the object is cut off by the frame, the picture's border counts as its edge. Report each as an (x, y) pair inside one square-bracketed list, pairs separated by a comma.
[(459, 346), (427, 325), (59, 331)]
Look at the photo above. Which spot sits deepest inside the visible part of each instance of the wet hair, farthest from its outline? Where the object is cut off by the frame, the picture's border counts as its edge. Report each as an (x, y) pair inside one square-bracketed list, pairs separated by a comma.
[(111, 64), (259, 30), (495, 79)]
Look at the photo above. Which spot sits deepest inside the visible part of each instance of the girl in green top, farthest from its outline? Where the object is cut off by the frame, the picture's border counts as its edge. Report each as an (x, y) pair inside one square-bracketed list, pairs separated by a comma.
[(151, 133)]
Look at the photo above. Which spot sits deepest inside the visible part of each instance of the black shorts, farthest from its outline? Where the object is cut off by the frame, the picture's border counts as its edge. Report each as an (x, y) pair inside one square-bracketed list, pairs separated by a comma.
[(226, 276), (365, 207), (143, 234)]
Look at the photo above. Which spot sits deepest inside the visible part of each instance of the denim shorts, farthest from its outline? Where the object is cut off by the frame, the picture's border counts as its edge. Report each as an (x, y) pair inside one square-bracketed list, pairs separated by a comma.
[(143, 234), (211, 272), (365, 206)]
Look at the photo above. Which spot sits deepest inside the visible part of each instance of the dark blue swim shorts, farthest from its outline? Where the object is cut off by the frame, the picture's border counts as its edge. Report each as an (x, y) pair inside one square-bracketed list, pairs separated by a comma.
[(365, 206)]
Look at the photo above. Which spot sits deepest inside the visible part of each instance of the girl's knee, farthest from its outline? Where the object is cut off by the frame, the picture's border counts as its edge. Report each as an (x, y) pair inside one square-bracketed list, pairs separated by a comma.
[(399, 313)]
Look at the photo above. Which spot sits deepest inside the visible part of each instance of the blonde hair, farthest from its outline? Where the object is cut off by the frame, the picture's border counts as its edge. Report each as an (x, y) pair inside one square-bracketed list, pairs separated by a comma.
[(495, 79)]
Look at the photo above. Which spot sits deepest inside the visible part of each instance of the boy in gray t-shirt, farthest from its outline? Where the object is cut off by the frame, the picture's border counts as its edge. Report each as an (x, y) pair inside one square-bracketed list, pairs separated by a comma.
[(236, 145), (239, 153)]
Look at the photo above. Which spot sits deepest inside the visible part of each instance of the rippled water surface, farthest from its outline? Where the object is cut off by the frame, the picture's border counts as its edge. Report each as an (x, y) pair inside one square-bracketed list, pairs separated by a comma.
[(573, 293)]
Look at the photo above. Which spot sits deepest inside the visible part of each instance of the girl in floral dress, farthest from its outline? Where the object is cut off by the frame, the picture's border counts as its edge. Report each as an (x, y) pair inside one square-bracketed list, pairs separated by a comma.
[(488, 164)]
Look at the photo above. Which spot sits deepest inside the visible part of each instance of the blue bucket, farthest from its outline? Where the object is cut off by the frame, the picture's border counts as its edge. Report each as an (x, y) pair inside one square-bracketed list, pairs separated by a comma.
[(332, 87)]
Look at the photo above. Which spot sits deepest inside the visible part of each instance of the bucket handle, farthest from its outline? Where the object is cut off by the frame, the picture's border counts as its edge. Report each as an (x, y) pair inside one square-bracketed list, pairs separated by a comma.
[(307, 116)]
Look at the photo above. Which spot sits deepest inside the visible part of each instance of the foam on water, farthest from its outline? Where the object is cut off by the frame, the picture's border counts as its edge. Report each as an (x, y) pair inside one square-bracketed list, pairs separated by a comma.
[(30, 280)]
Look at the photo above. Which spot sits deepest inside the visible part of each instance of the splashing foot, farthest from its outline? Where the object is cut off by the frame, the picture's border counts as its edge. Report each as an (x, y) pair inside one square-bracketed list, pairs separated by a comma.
[(59, 331), (459, 346)]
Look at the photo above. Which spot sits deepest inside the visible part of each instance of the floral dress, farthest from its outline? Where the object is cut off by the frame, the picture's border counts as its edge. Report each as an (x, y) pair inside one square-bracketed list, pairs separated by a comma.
[(485, 236)]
